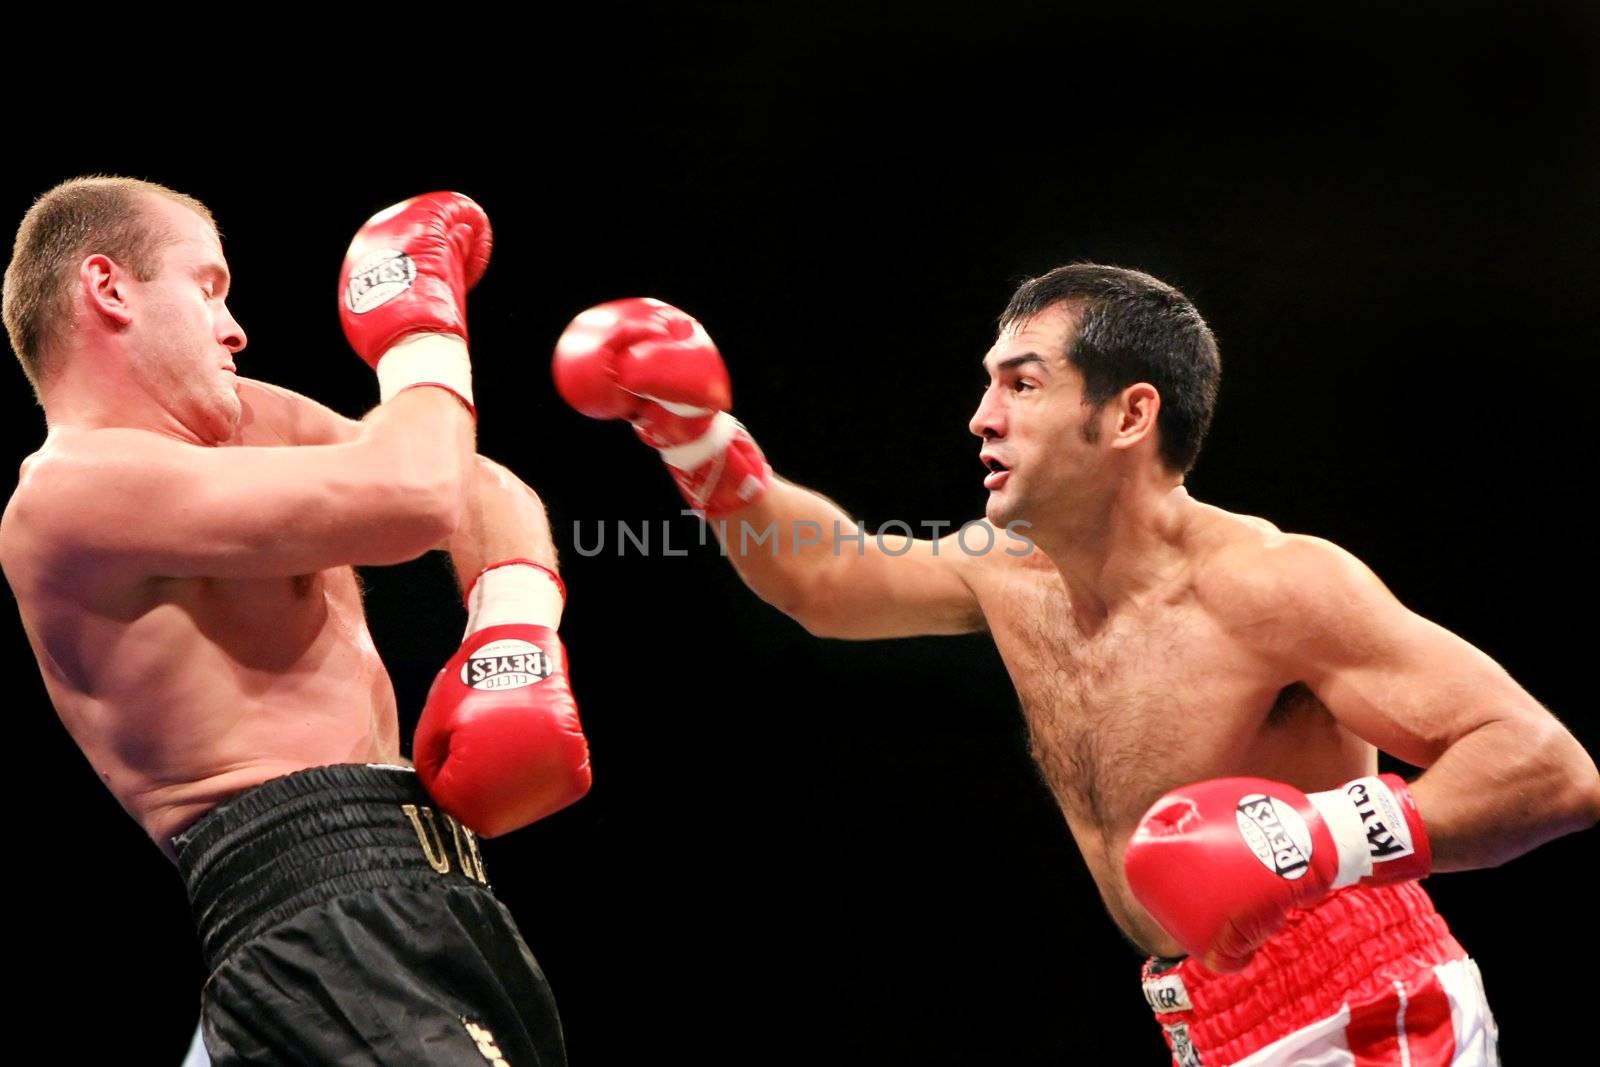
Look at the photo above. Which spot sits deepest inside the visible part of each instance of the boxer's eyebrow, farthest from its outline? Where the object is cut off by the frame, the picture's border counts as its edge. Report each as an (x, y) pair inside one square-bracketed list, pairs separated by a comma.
[(1014, 362)]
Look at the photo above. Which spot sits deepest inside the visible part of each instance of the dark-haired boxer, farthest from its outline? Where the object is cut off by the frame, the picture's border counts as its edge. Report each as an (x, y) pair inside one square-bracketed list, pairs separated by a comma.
[(1206, 694), (181, 550)]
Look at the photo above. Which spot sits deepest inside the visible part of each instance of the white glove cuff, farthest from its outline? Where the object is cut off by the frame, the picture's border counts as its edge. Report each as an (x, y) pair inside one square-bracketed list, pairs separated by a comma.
[(705, 448), (1339, 812), (513, 593), (426, 359)]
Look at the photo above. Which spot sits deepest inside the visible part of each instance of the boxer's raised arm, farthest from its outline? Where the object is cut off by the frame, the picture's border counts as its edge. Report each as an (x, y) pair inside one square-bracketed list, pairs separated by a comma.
[(149, 505), (798, 551), (651, 364)]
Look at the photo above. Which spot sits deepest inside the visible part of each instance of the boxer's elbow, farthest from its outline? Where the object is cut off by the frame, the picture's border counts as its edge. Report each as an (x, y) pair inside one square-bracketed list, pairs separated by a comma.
[(813, 613), (413, 512), (846, 605), (438, 487), (1576, 801), (438, 504), (819, 623), (1576, 808), (831, 609), (1588, 805), (778, 587)]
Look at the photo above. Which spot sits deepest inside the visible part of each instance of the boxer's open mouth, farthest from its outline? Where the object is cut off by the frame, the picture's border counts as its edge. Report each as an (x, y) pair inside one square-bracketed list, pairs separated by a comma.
[(997, 472)]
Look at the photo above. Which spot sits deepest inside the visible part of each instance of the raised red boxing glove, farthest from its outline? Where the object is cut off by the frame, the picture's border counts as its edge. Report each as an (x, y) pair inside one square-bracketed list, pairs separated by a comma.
[(403, 291), (647, 362), (499, 744), (612, 360), (1220, 864)]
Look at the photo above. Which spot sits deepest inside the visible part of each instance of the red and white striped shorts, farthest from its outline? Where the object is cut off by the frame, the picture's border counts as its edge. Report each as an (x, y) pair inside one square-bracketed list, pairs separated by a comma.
[(1367, 978)]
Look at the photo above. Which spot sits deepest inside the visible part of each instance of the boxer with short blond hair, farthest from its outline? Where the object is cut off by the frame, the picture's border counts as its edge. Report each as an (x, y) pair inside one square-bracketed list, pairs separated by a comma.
[(1206, 694), (182, 548)]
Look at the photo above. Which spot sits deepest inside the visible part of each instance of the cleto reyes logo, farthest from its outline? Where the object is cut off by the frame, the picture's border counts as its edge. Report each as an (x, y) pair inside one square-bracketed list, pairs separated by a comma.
[(506, 664), (1276, 833), (1388, 836), (377, 278)]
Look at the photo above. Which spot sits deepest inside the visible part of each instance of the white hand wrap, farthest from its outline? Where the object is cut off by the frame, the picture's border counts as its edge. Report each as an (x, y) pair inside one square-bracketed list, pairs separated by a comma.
[(426, 359)]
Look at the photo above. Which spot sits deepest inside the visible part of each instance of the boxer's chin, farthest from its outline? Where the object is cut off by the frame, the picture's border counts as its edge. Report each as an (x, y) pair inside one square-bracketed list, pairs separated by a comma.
[(223, 415), (1001, 508)]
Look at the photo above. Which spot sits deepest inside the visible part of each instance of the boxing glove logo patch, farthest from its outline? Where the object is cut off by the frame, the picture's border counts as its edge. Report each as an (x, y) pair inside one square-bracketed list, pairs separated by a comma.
[(1388, 836), (377, 278), (1276, 833), (506, 664)]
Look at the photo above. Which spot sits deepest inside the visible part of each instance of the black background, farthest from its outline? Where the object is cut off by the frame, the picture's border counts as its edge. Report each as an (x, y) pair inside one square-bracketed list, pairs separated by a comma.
[(837, 852)]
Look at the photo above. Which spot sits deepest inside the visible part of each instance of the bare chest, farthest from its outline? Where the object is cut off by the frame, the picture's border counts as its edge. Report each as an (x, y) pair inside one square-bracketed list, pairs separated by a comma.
[(1121, 713), (272, 623)]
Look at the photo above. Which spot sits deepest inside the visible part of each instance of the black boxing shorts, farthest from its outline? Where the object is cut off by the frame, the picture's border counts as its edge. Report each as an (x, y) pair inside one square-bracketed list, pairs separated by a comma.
[(345, 919), (1369, 977)]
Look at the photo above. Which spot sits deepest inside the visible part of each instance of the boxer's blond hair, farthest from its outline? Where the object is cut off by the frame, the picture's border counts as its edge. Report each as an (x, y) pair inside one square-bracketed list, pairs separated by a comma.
[(81, 217)]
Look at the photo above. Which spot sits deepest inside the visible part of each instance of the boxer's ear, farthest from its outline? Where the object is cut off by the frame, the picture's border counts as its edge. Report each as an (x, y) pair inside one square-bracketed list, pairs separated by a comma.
[(104, 283), (1136, 409)]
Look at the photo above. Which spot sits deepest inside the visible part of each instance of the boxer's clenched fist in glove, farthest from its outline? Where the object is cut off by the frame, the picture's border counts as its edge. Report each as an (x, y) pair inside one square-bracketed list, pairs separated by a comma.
[(499, 744), (403, 291), (647, 362), (1220, 864)]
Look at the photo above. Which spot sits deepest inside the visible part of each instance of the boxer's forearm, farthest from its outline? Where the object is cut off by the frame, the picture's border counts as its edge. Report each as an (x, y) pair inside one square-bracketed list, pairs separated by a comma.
[(803, 555), (782, 544), (422, 441), (501, 519), (1504, 789)]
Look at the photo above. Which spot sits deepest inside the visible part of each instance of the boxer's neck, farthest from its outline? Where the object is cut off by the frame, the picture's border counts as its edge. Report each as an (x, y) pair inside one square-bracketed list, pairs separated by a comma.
[(93, 389), (1135, 544)]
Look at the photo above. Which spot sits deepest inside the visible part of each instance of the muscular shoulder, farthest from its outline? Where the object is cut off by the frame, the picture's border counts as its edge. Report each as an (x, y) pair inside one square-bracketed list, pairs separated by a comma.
[(76, 457), (31, 514), (104, 467), (14, 524), (1277, 589)]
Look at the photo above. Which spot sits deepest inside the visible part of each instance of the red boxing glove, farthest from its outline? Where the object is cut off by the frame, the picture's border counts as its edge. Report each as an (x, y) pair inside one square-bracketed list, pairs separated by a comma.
[(647, 362), (1220, 864), (407, 274), (499, 744)]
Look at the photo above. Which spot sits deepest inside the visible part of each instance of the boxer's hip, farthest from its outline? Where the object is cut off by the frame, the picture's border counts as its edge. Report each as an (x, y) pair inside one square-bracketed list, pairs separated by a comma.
[(1354, 966), (302, 840)]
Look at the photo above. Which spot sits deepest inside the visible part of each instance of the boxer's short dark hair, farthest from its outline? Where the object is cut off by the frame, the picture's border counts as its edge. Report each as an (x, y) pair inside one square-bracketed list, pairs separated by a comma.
[(77, 218), (1134, 328)]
